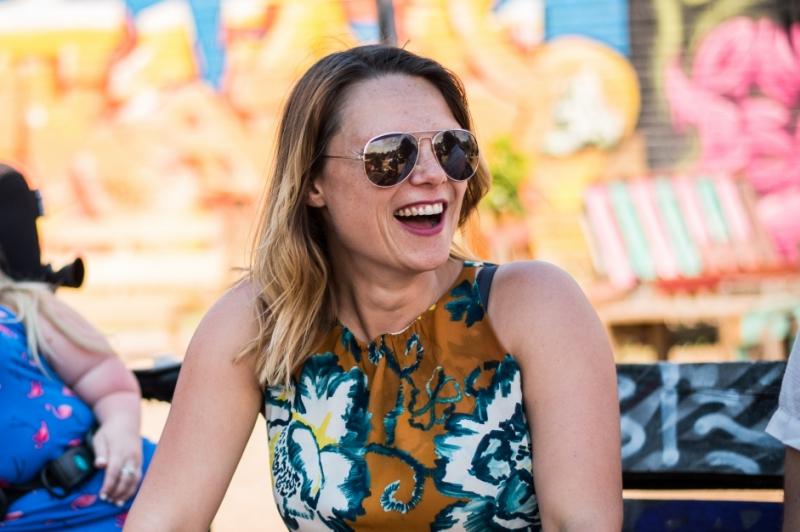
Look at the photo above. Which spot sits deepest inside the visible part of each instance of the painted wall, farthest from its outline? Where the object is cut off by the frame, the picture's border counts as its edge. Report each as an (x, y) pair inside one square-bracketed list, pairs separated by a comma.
[(720, 85), (160, 114)]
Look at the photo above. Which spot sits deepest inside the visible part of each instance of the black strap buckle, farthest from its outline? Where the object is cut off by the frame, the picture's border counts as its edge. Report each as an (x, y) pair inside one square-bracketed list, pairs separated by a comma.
[(67, 471), (57, 477)]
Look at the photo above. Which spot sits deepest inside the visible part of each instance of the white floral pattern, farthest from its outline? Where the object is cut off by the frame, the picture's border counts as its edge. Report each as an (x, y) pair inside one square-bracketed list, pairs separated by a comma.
[(447, 449), (486, 458), (317, 429)]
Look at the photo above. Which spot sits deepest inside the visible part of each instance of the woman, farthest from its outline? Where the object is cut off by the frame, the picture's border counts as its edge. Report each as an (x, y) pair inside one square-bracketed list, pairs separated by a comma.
[(432, 426), (59, 379)]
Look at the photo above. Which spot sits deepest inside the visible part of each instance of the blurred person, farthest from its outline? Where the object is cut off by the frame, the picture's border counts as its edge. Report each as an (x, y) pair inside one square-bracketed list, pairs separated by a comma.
[(785, 426), (785, 423), (59, 380), (404, 387)]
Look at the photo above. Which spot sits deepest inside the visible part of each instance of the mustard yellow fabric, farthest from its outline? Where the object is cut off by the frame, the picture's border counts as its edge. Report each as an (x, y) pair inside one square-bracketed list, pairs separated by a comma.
[(419, 430)]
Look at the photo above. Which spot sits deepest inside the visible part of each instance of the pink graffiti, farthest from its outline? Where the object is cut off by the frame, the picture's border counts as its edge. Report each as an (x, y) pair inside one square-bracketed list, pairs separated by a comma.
[(83, 501), (13, 516), (36, 390), (61, 412), (738, 132), (745, 81), (74, 443), (778, 214), (66, 392), (41, 436), (741, 52)]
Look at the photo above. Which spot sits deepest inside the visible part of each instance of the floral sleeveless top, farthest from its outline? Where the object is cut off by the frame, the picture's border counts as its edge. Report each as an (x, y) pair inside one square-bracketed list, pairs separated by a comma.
[(423, 429)]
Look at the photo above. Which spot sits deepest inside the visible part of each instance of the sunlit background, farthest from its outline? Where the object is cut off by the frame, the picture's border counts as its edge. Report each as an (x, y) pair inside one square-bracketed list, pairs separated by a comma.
[(649, 147)]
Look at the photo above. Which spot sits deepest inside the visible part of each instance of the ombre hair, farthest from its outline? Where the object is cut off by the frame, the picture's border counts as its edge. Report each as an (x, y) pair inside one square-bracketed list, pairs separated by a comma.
[(290, 272)]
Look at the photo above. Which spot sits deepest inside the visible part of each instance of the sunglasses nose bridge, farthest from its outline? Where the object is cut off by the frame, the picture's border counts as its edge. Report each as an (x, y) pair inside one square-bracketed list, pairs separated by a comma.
[(437, 165), (430, 143), (430, 140)]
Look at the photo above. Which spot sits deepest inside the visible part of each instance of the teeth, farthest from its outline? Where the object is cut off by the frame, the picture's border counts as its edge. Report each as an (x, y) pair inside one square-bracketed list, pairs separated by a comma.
[(422, 210)]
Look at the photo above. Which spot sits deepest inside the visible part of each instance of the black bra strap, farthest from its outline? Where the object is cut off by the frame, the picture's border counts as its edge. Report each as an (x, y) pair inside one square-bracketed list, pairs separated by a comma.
[(484, 281)]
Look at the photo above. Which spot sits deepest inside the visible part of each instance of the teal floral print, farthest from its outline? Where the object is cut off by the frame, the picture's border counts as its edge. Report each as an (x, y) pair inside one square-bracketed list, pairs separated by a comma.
[(486, 457), (317, 431), (466, 304), (420, 430)]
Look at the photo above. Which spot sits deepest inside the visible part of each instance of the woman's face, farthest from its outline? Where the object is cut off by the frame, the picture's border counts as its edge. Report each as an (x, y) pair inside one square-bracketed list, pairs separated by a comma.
[(367, 223)]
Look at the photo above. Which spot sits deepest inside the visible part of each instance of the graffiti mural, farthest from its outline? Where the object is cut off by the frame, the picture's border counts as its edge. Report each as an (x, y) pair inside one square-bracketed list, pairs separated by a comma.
[(700, 417), (720, 86), (130, 112)]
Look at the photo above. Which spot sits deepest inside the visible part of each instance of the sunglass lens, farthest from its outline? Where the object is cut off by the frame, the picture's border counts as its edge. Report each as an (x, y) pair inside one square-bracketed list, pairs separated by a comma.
[(458, 153), (389, 159)]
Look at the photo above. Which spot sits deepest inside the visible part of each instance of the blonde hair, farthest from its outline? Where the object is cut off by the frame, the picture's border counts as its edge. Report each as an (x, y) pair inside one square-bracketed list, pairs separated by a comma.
[(27, 300), (291, 274)]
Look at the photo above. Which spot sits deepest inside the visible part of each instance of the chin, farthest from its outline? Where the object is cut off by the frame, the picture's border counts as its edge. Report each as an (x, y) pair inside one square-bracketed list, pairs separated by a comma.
[(432, 260)]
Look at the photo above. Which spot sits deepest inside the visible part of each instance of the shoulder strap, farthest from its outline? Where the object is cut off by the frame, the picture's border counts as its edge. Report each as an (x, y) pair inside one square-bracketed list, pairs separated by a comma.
[(484, 282)]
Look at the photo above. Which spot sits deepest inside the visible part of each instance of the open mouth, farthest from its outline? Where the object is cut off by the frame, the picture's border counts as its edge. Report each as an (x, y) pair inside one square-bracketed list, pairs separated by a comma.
[(421, 216)]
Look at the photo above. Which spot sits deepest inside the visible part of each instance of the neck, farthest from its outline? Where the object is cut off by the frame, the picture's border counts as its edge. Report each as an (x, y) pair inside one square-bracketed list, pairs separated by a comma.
[(371, 301)]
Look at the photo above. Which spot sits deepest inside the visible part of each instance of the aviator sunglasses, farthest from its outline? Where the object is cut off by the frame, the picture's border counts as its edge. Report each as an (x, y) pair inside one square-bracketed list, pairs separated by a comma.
[(390, 158)]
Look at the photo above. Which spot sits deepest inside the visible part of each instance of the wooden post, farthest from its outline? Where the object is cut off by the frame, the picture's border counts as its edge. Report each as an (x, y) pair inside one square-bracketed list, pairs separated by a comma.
[(659, 337), (386, 22), (728, 336)]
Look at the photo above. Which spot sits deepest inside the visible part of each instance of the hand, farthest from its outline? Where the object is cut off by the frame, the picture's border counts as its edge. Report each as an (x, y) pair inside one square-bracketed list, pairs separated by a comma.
[(118, 450)]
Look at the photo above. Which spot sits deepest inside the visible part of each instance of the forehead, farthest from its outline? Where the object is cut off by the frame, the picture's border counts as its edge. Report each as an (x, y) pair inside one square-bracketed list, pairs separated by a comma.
[(394, 103)]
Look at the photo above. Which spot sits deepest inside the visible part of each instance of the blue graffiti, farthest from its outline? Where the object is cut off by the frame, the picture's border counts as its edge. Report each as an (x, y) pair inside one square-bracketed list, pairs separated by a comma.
[(734, 460), (670, 375), (710, 422)]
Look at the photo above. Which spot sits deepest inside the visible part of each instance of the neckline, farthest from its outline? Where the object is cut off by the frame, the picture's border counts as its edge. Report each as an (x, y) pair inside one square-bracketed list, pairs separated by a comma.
[(446, 294)]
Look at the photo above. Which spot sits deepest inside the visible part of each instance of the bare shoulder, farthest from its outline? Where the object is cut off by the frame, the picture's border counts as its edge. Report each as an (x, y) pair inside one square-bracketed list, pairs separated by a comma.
[(230, 323), (228, 326), (535, 303), (213, 382), (535, 287), (533, 274), (569, 391)]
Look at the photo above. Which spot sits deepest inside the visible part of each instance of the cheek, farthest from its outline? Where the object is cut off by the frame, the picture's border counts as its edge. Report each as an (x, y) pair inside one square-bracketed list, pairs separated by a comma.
[(354, 216), (460, 193)]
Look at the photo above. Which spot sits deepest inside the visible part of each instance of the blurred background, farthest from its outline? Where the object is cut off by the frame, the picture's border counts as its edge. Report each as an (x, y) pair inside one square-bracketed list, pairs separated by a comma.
[(649, 147)]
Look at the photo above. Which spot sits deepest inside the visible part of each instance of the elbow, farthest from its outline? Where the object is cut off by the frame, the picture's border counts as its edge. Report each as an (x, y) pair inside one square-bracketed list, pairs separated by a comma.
[(119, 378)]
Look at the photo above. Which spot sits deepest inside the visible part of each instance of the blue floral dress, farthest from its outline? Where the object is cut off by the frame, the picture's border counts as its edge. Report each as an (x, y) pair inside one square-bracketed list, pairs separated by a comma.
[(419, 430), (40, 417)]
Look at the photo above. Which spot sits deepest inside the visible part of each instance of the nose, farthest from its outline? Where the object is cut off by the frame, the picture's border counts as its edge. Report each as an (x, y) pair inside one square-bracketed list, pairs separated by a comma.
[(427, 171)]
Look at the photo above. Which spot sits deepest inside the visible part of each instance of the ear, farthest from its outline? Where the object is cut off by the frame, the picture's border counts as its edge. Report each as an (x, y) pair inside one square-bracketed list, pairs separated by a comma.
[(315, 197)]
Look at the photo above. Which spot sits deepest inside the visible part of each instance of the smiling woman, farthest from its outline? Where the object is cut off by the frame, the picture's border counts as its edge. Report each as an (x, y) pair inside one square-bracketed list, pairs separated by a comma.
[(396, 396)]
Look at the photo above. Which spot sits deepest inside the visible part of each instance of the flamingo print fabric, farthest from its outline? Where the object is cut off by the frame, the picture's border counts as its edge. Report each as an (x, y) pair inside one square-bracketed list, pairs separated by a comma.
[(40, 417)]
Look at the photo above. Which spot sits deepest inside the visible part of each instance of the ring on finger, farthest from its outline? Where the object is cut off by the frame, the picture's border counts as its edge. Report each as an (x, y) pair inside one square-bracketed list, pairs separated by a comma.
[(128, 469)]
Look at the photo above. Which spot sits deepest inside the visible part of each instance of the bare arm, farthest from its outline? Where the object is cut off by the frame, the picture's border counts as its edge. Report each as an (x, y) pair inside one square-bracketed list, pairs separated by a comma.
[(213, 411), (570, 393), (791, 491), (104, 383)]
